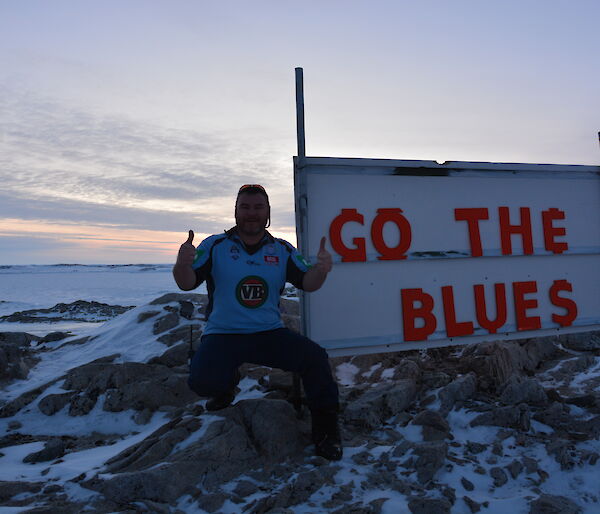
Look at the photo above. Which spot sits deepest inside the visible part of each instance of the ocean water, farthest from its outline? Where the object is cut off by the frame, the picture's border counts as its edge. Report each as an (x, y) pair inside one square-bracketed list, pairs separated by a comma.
[(35, 287)]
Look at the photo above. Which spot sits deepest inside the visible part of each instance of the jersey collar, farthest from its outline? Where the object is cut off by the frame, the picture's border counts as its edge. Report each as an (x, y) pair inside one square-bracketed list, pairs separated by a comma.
[(233, 235)]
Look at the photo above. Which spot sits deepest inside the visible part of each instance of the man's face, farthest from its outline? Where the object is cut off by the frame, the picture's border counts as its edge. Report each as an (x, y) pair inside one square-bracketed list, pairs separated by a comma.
[(251, 213)]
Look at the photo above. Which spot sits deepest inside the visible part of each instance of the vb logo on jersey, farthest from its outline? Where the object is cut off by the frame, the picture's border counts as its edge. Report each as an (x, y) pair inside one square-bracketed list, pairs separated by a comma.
[(252, 292)]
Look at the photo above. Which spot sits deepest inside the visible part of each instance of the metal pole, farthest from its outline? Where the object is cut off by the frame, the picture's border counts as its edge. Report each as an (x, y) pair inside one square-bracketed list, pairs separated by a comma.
[(300, 115), (296, 388)]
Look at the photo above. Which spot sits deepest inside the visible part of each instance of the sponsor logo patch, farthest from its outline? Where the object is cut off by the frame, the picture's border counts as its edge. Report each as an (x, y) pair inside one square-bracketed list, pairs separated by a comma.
[(272, 259), (270, 249), (252, 292), (302, 260), (235, 253), (199, 253)]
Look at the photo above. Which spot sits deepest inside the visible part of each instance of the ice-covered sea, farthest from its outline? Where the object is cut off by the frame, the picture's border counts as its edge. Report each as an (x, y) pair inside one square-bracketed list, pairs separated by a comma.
[(25, 287)]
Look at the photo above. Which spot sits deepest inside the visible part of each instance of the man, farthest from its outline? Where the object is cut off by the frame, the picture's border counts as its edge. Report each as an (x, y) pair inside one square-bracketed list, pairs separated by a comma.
[(245, 270)]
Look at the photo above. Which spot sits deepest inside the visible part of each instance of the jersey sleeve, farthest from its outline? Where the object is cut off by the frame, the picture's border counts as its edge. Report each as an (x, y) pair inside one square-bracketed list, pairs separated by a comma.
[(296, 266), (202, 263)]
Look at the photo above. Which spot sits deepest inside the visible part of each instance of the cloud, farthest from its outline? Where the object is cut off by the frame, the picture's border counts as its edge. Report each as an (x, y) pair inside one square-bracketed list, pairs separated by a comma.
[(82, 187), (65, 164), (77, 211)]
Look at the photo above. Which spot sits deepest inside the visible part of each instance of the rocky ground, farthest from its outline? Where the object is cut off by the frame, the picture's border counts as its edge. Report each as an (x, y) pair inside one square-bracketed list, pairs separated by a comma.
[(80, 310), (106, 423)]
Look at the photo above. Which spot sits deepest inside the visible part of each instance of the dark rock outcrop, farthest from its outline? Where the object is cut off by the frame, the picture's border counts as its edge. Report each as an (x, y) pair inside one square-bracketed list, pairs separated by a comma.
[(380, 402), (16, 355), (519, 389), (79, 310), (459, 390), (130, 385), (518, 417), (553, 504), (252, 434), (53, 449)]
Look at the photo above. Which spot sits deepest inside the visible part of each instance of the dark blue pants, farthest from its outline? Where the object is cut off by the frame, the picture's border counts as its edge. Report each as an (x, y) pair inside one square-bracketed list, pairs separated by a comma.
[(214, 364)]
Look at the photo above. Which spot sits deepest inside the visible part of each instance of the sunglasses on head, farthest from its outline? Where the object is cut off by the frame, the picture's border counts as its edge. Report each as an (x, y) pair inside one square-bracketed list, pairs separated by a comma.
[(245, 187)]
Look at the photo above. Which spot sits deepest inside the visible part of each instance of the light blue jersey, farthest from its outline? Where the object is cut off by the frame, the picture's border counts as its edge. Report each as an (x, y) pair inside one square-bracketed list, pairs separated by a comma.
[(244, 284)]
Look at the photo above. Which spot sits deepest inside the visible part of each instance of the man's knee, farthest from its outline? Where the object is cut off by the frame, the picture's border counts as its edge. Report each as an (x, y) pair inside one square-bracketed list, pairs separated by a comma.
[(317, 352), (206, 380), (200, 385), (315, 358), (210, 368)]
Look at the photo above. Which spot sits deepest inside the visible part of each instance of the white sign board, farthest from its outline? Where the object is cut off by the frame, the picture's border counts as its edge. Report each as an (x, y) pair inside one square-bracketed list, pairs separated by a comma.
[(429, 254)]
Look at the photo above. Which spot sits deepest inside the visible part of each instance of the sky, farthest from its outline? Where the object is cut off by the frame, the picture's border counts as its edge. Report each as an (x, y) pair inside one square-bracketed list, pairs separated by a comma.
[(123, 124)]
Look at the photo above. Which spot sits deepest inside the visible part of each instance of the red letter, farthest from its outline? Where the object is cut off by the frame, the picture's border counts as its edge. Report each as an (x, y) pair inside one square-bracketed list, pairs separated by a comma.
[(453, 328), (506, 230), (357, 254), (569, 305), (394, 216), (472, 217), (410, 312), (520, 289), (551, 232), (482, 319)]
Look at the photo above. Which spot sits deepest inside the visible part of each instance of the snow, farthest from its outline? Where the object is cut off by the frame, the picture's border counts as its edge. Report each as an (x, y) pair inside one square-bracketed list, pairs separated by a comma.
[(591, 373), (459, 421), (122, 335), (207, 420), (387, 374), (41, 287), (72, 464), (135, 341), (372, 370), (16, 510), (42, 328), (346, 374), (29, 287), (249, 390), (397, 502)]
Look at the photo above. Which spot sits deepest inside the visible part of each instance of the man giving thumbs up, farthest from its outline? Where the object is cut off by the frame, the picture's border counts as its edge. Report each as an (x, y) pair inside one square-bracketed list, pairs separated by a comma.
[(182, 271), (246, 269)]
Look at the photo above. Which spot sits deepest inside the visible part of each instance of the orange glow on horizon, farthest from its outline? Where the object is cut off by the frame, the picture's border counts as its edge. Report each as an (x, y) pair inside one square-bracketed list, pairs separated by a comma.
[(95, 237), (106, 237)]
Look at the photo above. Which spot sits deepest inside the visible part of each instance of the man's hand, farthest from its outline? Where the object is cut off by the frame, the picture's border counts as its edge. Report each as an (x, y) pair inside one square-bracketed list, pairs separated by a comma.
[(184, 275), (324, 261), (187, 251), (315, 276)]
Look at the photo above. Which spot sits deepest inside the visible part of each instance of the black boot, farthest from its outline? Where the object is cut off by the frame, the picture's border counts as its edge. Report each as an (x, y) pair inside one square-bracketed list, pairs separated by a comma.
[(326, 433), (224, 399)]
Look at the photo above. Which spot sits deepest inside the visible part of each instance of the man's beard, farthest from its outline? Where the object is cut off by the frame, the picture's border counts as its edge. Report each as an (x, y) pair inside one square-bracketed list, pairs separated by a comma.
[(252, 227)]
